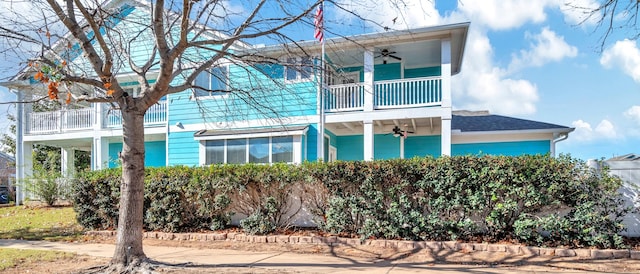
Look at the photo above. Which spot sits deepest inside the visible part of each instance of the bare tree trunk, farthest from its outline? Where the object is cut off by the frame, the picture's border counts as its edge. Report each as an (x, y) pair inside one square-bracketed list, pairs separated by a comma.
[(129, 253)]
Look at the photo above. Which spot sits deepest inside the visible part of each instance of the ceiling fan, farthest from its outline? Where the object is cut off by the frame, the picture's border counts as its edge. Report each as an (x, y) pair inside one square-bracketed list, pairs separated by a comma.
[(397, 132), (385, 54)]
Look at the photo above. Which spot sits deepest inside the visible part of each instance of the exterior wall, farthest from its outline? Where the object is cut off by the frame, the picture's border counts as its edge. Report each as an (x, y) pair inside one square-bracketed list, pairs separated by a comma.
[(155, 155), (421, 146), (502, 148), (393, 71), (183, 149)]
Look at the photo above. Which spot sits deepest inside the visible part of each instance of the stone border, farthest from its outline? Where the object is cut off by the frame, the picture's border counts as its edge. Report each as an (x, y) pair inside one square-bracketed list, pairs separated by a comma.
[(434, 246)]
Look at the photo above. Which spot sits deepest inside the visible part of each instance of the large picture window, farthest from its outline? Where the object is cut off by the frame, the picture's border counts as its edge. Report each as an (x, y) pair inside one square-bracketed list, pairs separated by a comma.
[(249, 150)]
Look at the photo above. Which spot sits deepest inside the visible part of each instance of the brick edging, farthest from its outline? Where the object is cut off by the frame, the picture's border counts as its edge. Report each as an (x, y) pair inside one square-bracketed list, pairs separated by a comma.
[(434, 246)]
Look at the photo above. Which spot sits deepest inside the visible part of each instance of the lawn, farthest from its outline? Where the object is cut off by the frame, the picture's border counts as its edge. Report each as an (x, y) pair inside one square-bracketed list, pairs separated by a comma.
[(39, 223), (10, 257)]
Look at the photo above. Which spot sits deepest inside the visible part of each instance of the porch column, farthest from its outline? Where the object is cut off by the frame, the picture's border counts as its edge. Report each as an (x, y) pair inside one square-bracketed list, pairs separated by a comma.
[(368, 79), (445, 56), (100, 153), (368, 140), (24, 150), (67, 162)]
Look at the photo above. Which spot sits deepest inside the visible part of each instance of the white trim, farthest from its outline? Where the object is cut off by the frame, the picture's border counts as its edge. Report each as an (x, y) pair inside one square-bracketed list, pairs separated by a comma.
[(297, 149), (524, 131), (252, 135), (289, 121)]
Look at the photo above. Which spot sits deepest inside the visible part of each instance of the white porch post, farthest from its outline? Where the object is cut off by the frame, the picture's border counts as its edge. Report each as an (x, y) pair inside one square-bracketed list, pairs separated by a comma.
[(368, 140), (368, 79), (24, 162), (100, 153), (446, 96), (67, 162)]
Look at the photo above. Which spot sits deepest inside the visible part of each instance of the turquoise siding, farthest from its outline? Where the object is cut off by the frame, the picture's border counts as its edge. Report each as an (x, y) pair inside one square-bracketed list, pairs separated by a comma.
[(422, 72), (312, 143), (502, 148), (392, 71), (421, 146), (385, 146), (183, 149), (261, 97), (155, 155), (350, 148)]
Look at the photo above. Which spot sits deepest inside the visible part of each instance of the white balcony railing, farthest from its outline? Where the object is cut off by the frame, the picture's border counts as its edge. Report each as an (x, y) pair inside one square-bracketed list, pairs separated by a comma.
[(413, 92), (156, 114), (346, 97), (60, 121), (84, 119)]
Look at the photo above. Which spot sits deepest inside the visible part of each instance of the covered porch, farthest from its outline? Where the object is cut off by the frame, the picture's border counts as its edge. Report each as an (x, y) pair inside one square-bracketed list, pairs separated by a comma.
[(384, 139)]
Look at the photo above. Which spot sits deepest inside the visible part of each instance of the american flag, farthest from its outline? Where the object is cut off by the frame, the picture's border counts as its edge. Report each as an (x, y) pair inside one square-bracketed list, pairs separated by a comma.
[(318, 22)]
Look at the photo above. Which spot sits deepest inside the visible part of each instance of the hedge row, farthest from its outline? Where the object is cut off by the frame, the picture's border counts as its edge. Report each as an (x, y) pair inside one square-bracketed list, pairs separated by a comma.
[(536, 200)]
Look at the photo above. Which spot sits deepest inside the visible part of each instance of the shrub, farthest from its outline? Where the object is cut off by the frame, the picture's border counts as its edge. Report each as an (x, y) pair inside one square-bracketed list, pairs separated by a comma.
[(537, 200), (45, 185)]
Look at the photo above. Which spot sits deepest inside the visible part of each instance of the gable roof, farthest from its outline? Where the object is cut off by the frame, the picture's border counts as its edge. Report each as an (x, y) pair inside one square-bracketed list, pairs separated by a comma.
[(467, 121)]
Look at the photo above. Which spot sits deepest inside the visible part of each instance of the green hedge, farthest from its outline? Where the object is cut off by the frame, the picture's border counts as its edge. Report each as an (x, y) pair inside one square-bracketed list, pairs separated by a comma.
[(537, 200)]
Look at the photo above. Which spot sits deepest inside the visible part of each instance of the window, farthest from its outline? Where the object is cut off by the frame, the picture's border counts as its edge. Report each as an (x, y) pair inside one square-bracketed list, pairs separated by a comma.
[(236, 151), (212, 82), (215, 151), (249, 150), (259, 150), (299, 69), (282, 149)]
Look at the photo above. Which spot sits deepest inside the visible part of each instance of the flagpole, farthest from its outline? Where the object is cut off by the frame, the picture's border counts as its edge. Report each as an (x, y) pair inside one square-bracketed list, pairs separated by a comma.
[(321, 89)]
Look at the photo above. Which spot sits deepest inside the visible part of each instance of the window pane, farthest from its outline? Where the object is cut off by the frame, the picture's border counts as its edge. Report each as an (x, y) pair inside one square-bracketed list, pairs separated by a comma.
[(202, 80), (291, 72), (282, 149), (306, 69), (214, 152), (237, 151), (259, 150), (219, 78)]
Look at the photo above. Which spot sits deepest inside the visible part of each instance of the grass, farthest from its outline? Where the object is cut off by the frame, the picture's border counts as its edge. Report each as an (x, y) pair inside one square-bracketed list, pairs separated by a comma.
[(10, 257), (40, 223)]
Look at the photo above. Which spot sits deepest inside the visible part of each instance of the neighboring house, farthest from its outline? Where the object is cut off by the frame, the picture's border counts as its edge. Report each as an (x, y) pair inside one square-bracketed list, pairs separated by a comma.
[(7, 177), (627, 168), (387, 95)]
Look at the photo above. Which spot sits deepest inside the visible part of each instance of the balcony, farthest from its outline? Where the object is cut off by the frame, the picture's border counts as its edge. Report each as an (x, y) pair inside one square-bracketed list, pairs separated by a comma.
[(74, 120), (402, 93)]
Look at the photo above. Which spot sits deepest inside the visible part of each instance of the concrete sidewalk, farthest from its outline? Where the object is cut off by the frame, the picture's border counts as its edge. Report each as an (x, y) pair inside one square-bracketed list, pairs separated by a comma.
[(234, 261)]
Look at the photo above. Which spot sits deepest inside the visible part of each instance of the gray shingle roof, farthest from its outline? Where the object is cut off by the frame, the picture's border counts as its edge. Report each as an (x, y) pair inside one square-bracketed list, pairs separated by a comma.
[(483, 121)]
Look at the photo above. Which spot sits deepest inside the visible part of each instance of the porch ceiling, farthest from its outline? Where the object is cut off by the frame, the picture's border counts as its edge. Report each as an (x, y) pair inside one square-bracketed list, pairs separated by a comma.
[(413, 54), (419, 126)]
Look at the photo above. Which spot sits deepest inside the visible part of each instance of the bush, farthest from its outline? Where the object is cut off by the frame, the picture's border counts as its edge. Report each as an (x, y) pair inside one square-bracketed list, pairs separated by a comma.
[(45, 186), (537, 200)]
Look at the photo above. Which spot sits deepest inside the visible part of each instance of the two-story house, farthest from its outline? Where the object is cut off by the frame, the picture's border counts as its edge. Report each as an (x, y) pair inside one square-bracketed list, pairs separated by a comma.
[(380, 96)]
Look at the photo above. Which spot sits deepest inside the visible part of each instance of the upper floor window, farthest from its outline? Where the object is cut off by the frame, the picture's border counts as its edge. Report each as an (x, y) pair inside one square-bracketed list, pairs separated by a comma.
[(299, 69), (214, 81)]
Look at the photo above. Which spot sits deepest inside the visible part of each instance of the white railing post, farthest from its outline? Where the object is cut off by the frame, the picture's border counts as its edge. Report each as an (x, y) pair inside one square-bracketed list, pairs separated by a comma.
[(368, 79)]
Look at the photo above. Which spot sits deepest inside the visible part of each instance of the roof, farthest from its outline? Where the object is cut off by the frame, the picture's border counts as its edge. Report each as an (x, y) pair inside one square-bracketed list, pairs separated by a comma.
[(466, 121), (226, 132), (626, 157)]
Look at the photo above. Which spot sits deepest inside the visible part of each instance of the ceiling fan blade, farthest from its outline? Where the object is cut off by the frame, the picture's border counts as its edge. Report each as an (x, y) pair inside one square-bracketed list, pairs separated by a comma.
[(395, 57)]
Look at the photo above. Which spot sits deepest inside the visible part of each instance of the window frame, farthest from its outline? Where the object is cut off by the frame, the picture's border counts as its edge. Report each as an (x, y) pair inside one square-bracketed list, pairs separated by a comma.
[(297, 64), (210, 76), (295, 143)]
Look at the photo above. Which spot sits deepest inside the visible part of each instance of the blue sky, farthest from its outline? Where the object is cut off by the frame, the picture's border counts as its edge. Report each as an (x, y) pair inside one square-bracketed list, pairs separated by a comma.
[(527, 59)]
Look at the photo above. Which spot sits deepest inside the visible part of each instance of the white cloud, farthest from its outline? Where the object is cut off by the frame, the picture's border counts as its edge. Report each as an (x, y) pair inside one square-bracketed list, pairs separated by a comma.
[(633, 113), (545, 47), (585, 133), (503, 15), (578, 12), (624, 55), (483, 86), (393, 14)]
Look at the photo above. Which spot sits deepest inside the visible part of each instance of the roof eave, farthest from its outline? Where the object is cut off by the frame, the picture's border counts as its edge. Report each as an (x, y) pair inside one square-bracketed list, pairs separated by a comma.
[(522, 131)]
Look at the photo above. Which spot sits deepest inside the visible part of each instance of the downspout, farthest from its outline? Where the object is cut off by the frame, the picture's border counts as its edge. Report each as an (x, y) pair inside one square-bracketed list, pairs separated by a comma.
[(561, 137)]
